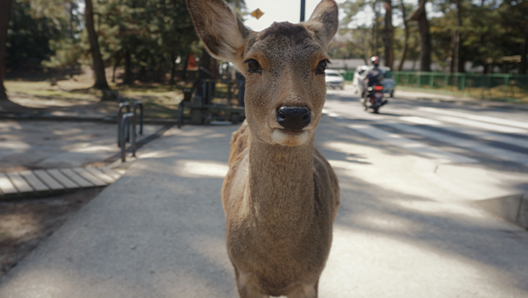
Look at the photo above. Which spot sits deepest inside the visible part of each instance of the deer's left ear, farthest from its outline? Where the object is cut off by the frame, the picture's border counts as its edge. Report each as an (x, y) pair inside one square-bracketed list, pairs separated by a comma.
[(222, 33), (324, 22)]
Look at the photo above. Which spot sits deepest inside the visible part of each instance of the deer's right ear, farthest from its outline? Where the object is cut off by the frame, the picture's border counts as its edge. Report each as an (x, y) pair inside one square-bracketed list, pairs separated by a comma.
[(324, 21), (222, 33)]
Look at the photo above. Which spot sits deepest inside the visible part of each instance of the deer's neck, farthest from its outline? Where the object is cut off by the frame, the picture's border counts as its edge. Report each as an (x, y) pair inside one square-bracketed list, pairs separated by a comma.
[(281, 185)]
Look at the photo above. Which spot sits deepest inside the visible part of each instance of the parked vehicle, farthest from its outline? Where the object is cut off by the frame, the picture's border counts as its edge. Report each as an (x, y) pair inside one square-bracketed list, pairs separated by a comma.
[(389, 84), (334, 79), (374, 98)]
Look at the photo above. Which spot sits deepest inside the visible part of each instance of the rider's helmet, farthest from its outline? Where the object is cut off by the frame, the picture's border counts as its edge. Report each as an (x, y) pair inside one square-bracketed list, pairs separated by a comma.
[(375, 60)]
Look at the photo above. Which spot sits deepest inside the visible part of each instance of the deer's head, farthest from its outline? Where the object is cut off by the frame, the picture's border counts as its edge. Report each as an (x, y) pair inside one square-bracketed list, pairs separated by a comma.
[(284, 67)]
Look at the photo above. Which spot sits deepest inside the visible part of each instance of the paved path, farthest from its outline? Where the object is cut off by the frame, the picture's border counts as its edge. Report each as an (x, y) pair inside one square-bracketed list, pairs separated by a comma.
[(158, 231), (47, 157), (58, 144)]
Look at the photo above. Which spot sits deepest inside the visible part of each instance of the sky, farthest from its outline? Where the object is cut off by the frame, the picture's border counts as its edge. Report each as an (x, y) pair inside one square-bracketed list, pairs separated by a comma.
[(278, 11), (290, 10)]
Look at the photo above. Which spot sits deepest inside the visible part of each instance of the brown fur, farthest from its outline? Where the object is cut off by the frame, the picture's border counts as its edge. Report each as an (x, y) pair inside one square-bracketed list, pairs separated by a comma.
[(280, 196)]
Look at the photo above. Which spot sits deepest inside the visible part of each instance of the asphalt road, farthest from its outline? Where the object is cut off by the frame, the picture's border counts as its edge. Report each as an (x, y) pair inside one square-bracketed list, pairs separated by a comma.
[(478, 152)]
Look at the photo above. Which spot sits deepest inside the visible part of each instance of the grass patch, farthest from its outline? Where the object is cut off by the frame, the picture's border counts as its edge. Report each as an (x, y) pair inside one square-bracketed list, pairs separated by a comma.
[(63, 90), (159, 100)]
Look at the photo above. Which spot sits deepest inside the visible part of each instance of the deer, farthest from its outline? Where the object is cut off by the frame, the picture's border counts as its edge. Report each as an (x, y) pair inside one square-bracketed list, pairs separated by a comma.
[(280, 195)]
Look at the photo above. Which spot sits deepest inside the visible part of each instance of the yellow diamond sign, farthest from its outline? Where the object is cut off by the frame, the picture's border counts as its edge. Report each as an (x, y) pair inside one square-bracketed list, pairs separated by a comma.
[(257, 13)]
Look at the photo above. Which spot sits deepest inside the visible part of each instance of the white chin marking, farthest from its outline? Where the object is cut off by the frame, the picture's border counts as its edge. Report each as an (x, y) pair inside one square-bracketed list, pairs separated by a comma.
[(285, 139)]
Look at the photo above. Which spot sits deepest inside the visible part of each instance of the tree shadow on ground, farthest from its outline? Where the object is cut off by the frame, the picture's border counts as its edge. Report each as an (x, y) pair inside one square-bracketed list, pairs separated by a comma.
[(435, 225), (8, 106)]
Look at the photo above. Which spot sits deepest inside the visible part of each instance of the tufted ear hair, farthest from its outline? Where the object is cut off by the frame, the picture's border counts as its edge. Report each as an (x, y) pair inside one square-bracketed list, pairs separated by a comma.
[(324, 22), (222, 33)]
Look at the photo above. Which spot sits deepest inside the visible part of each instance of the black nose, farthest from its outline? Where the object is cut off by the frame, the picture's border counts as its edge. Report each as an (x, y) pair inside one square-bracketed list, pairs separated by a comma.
[(293, 118)]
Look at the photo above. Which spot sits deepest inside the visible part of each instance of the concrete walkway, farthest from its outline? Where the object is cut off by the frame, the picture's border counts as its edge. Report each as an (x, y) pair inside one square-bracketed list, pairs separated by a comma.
[(158, 231), (58, 144), (49, 157)]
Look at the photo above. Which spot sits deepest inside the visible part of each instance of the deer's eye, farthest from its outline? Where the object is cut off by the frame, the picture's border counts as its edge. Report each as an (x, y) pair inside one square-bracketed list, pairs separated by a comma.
[(321, 67), (254, 66)]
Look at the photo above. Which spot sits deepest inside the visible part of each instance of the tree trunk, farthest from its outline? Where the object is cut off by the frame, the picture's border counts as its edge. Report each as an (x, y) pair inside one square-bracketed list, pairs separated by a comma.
[(118, 58), (173, 70), (461, 63), (388, 35), (142, 76), (420, 15), (452, 59), (70, 29), (523, 67), (405, 41), (128, 69), (375, 28), (5, 13), (185, 66), (455, 56), (425, 44), (100, 77), (158, 77)]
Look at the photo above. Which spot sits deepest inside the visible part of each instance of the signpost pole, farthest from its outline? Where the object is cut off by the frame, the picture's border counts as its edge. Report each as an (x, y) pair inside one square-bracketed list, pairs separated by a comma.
[(303, 8)]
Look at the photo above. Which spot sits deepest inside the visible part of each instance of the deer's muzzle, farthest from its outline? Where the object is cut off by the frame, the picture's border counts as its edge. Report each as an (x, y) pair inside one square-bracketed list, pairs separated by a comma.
[(293, 118)]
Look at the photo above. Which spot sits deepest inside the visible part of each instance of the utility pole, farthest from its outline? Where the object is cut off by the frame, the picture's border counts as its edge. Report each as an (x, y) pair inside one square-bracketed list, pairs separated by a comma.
[(303, 8), (71, 35)]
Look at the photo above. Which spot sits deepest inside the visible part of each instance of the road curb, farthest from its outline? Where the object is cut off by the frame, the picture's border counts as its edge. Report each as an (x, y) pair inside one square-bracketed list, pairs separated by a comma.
[(513, 208), (466, 101), (485, 104)]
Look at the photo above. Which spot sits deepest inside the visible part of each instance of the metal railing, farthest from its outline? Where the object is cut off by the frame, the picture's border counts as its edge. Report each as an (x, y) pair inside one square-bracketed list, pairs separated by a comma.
[(126, 126), (496, 86), (505, 87), (348, 74), (122, 106), (220, 92), (214, 100)]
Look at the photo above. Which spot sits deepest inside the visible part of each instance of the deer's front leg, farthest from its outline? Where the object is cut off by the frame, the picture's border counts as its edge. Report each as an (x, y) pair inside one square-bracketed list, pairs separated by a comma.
[(246, 285)]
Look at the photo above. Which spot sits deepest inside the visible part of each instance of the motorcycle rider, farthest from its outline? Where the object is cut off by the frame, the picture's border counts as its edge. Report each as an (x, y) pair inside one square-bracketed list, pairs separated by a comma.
[(374, 75)]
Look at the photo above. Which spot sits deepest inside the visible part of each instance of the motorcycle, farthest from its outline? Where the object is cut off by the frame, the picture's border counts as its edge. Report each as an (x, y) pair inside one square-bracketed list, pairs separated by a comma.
[(374, 98)]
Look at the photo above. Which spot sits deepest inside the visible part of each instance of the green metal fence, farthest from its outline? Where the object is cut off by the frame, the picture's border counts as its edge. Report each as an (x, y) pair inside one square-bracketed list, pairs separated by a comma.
[(505, 87), (348, 75)]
